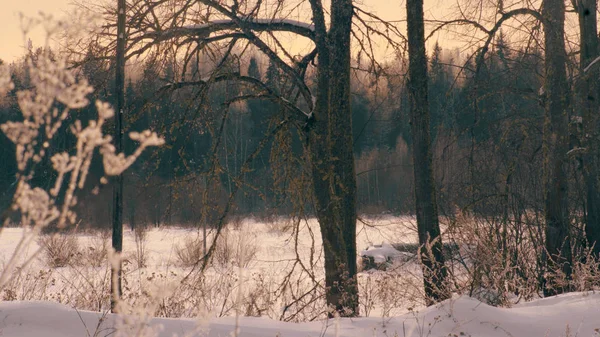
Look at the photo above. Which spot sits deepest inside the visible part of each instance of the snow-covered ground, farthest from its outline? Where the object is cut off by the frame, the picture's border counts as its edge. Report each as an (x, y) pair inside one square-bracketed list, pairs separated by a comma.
[(575, 314), (271, 254), (73, 300)]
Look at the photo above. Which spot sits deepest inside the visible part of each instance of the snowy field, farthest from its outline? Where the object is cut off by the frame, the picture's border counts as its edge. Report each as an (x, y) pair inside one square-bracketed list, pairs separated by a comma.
[(265, 270), (271, 264)]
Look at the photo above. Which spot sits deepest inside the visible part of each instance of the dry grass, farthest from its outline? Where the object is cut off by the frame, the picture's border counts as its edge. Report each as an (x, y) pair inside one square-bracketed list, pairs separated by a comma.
[(237, 248), (96, 252), (60, 250), (140, 235), (190, 252)]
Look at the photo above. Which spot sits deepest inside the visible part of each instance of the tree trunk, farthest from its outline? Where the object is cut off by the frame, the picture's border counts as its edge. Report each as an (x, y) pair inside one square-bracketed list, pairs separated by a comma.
[(590, 93), (117, 225), (434, 270), (555, 145), (332, 158)]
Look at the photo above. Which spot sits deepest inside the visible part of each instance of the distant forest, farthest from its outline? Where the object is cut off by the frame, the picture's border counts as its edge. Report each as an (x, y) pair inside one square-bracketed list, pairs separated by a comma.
[(486, 139)]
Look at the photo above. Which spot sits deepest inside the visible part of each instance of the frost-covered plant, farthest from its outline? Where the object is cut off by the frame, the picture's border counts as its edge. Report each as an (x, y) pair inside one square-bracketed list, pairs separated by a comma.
[(95, 252), (140, 236), (60, 250), (190, 252), (56, 92), (237, 248)]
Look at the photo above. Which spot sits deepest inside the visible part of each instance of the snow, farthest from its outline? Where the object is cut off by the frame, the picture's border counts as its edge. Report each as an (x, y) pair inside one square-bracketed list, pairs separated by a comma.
[(290, 22), (574, 313), (553, 317), (381, 253)]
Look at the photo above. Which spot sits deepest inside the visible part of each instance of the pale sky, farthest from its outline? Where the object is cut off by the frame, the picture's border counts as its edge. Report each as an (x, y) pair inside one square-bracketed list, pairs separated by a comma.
[(12, 42), (11, 36)]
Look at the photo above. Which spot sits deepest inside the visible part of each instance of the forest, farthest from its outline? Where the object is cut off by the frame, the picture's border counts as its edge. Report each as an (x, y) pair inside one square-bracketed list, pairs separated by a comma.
[(468, 145)]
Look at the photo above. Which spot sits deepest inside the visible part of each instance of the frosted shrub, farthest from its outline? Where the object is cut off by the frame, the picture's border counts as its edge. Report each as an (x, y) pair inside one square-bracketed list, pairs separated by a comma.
[(29, 285), (140, 236), (95, 253), (60, 250), (236, 247), (190, 252), (56, 92)]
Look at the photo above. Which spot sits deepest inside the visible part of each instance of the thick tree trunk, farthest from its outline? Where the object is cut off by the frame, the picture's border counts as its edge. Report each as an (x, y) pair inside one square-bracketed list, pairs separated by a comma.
[(332, 158), (558, 245), (589, 95), (434, 270)]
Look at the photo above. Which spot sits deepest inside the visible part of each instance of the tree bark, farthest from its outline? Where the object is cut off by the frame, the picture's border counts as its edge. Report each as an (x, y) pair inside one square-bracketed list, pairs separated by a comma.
[(117, 225), (434, 270), (589, 95), (332, 157), (555, 146)]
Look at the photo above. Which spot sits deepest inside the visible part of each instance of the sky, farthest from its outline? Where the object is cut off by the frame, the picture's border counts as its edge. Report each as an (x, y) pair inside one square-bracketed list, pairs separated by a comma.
[(12, 42), (11, 36)]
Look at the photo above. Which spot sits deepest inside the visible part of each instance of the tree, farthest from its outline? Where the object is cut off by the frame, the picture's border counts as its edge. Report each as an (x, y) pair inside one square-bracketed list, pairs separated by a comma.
[(253, 70), (555, 147), (332, 157), (325, 117), (273, 77), (434, 270), (117, 225), (589, 94), (440, 92)]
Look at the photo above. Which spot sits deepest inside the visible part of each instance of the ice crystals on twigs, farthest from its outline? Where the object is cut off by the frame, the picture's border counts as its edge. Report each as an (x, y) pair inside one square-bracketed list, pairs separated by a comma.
[(35, 205), (115, 164)]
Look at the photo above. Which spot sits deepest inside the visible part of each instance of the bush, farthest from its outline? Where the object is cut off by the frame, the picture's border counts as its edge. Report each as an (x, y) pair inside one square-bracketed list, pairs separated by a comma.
[(278, 225), (96, 253), (190, 252), (237, 248), (60, 250), (140, 234)]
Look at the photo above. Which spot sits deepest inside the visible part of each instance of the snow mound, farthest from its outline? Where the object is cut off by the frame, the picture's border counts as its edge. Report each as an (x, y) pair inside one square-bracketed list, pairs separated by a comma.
[(574, 314), (382, 253)]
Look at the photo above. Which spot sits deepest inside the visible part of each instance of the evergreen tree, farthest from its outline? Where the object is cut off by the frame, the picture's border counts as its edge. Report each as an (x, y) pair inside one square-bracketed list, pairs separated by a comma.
[(253, 70), (273, 77)]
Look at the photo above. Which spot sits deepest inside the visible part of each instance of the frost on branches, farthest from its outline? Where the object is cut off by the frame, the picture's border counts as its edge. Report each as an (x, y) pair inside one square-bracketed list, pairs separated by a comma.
[(55, 93)]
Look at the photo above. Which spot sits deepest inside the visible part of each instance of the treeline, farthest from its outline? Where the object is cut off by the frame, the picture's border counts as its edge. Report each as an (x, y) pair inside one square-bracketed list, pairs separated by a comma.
[(486, 132)]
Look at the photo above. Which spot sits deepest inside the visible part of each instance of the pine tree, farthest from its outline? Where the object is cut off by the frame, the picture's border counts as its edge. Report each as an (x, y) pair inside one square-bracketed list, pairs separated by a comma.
[(253, 70), (273, 77)]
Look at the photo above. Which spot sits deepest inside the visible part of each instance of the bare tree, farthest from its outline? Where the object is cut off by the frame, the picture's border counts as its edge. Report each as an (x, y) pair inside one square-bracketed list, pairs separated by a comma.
[(222, 30), (117, 225), (555, 146), (332, 158), (589, 94), (434, 270)]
